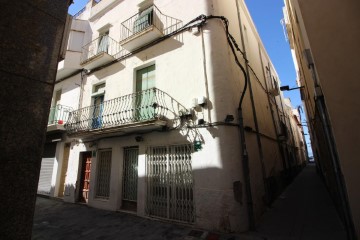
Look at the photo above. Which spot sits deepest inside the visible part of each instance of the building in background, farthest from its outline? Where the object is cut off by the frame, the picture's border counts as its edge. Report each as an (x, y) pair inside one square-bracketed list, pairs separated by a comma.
[(324, 38), (162, 124), (65, 99)]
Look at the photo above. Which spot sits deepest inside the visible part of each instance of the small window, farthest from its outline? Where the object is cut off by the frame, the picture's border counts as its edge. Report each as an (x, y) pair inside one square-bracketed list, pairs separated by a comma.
[(99, 88)]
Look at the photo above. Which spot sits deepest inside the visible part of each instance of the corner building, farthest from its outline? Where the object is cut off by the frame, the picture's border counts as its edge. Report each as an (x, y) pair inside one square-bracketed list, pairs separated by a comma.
[(155, 127)]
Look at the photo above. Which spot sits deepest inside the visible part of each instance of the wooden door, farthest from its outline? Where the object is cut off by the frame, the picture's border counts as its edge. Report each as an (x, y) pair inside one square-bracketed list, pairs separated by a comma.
[(64, 168), (85, 177)]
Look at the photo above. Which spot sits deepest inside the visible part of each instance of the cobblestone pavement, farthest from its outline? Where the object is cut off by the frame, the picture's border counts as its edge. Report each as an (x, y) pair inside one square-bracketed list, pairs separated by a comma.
[(55, 219), (304, 211)]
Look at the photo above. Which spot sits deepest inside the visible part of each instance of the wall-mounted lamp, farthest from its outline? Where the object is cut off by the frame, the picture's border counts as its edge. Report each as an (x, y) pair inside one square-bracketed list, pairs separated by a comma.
[(229, 118), (287, 88), (139, 139)]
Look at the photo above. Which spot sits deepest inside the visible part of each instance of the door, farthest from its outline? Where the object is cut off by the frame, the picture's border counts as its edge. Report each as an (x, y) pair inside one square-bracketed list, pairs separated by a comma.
[(145, 98), (85, 177), (103, 43), (64, 168), (130, 179), (47, 167), (170, 183), (97, 113), (144, 20)]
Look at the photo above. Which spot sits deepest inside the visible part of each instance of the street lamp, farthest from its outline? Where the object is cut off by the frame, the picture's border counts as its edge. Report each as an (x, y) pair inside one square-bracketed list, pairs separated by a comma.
[(287, 88)]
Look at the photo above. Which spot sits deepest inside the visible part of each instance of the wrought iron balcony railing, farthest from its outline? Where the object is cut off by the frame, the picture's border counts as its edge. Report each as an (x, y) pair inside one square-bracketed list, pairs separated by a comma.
[(140, 107), (103, 44), (59, 114), (150, 17)]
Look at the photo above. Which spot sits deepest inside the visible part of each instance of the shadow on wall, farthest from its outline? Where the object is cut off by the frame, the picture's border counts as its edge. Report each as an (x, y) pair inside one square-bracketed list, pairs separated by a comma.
[(169, 45)]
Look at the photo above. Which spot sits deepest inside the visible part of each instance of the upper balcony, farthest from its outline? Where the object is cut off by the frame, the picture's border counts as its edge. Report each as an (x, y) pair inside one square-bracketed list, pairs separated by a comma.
[(100, 7), (146, 26), (98, 52), (142, 111), (57, 117), (72, 50)]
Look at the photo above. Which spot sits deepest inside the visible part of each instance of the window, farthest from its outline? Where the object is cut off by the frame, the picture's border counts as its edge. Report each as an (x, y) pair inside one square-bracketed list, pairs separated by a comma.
[(103, 173), (99, 88)]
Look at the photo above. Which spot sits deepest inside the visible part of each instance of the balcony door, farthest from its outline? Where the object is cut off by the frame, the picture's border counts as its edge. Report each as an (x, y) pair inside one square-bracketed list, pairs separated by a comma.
[(145, 98), (85, 161), (144, 20), (54, 109), (103, 42), (97, 112)]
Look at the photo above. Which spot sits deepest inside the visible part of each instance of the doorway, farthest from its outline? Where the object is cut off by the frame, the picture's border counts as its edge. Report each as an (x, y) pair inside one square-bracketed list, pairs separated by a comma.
[(97, 113), (130, 179), (85, 177), (64, 168)]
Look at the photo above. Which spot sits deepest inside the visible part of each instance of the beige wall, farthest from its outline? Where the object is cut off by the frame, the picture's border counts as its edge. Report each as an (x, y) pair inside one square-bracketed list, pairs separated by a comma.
[(331, 29), (194, 65)]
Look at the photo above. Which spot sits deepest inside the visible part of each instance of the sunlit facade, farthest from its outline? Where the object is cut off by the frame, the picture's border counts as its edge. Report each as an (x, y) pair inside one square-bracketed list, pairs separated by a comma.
[(155, 127)]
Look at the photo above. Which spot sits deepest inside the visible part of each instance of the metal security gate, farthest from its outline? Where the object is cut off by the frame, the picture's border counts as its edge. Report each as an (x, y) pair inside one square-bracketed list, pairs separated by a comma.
[(130, 178), (103, 173), (170, 183)]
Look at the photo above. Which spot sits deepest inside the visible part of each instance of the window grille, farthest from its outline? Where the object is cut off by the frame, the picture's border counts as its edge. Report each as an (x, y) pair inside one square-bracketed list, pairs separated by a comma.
[(103, 174), (170, 183)]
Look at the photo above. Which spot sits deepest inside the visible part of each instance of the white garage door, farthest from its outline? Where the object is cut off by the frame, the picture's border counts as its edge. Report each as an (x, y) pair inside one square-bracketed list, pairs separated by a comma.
[(47, 165)]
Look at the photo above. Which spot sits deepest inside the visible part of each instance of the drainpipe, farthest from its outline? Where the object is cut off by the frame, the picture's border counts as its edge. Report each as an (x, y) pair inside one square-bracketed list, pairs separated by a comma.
[(261, 154), (83, 74)]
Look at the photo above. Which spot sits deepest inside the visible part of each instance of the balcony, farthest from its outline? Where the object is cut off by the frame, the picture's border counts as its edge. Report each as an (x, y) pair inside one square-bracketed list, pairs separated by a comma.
[(99, 52), (100, 7), (72, 50), (145, 27), (57, 117), (150, 109)]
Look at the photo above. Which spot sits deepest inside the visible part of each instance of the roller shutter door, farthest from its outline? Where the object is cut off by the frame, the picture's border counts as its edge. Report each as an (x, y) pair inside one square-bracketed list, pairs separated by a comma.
[(47, 166)]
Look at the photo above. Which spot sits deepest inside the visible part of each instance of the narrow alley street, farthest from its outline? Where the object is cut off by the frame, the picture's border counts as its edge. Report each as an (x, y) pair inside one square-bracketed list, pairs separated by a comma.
[(303, 212)]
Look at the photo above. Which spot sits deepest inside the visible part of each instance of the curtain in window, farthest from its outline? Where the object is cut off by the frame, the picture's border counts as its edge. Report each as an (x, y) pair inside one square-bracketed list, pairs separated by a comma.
[(144, 20), (103, 43)]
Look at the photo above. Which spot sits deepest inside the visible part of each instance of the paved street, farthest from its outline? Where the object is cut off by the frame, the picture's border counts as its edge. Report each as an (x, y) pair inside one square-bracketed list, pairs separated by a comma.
[(303, 212), (58, 220)]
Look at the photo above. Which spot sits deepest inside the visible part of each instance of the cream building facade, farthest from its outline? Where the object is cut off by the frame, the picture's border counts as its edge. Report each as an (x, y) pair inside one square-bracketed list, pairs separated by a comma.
[(324, 37), (161, 123)]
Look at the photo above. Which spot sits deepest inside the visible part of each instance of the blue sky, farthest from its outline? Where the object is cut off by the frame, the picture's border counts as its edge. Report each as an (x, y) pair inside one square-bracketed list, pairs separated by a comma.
[(266, 15)]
